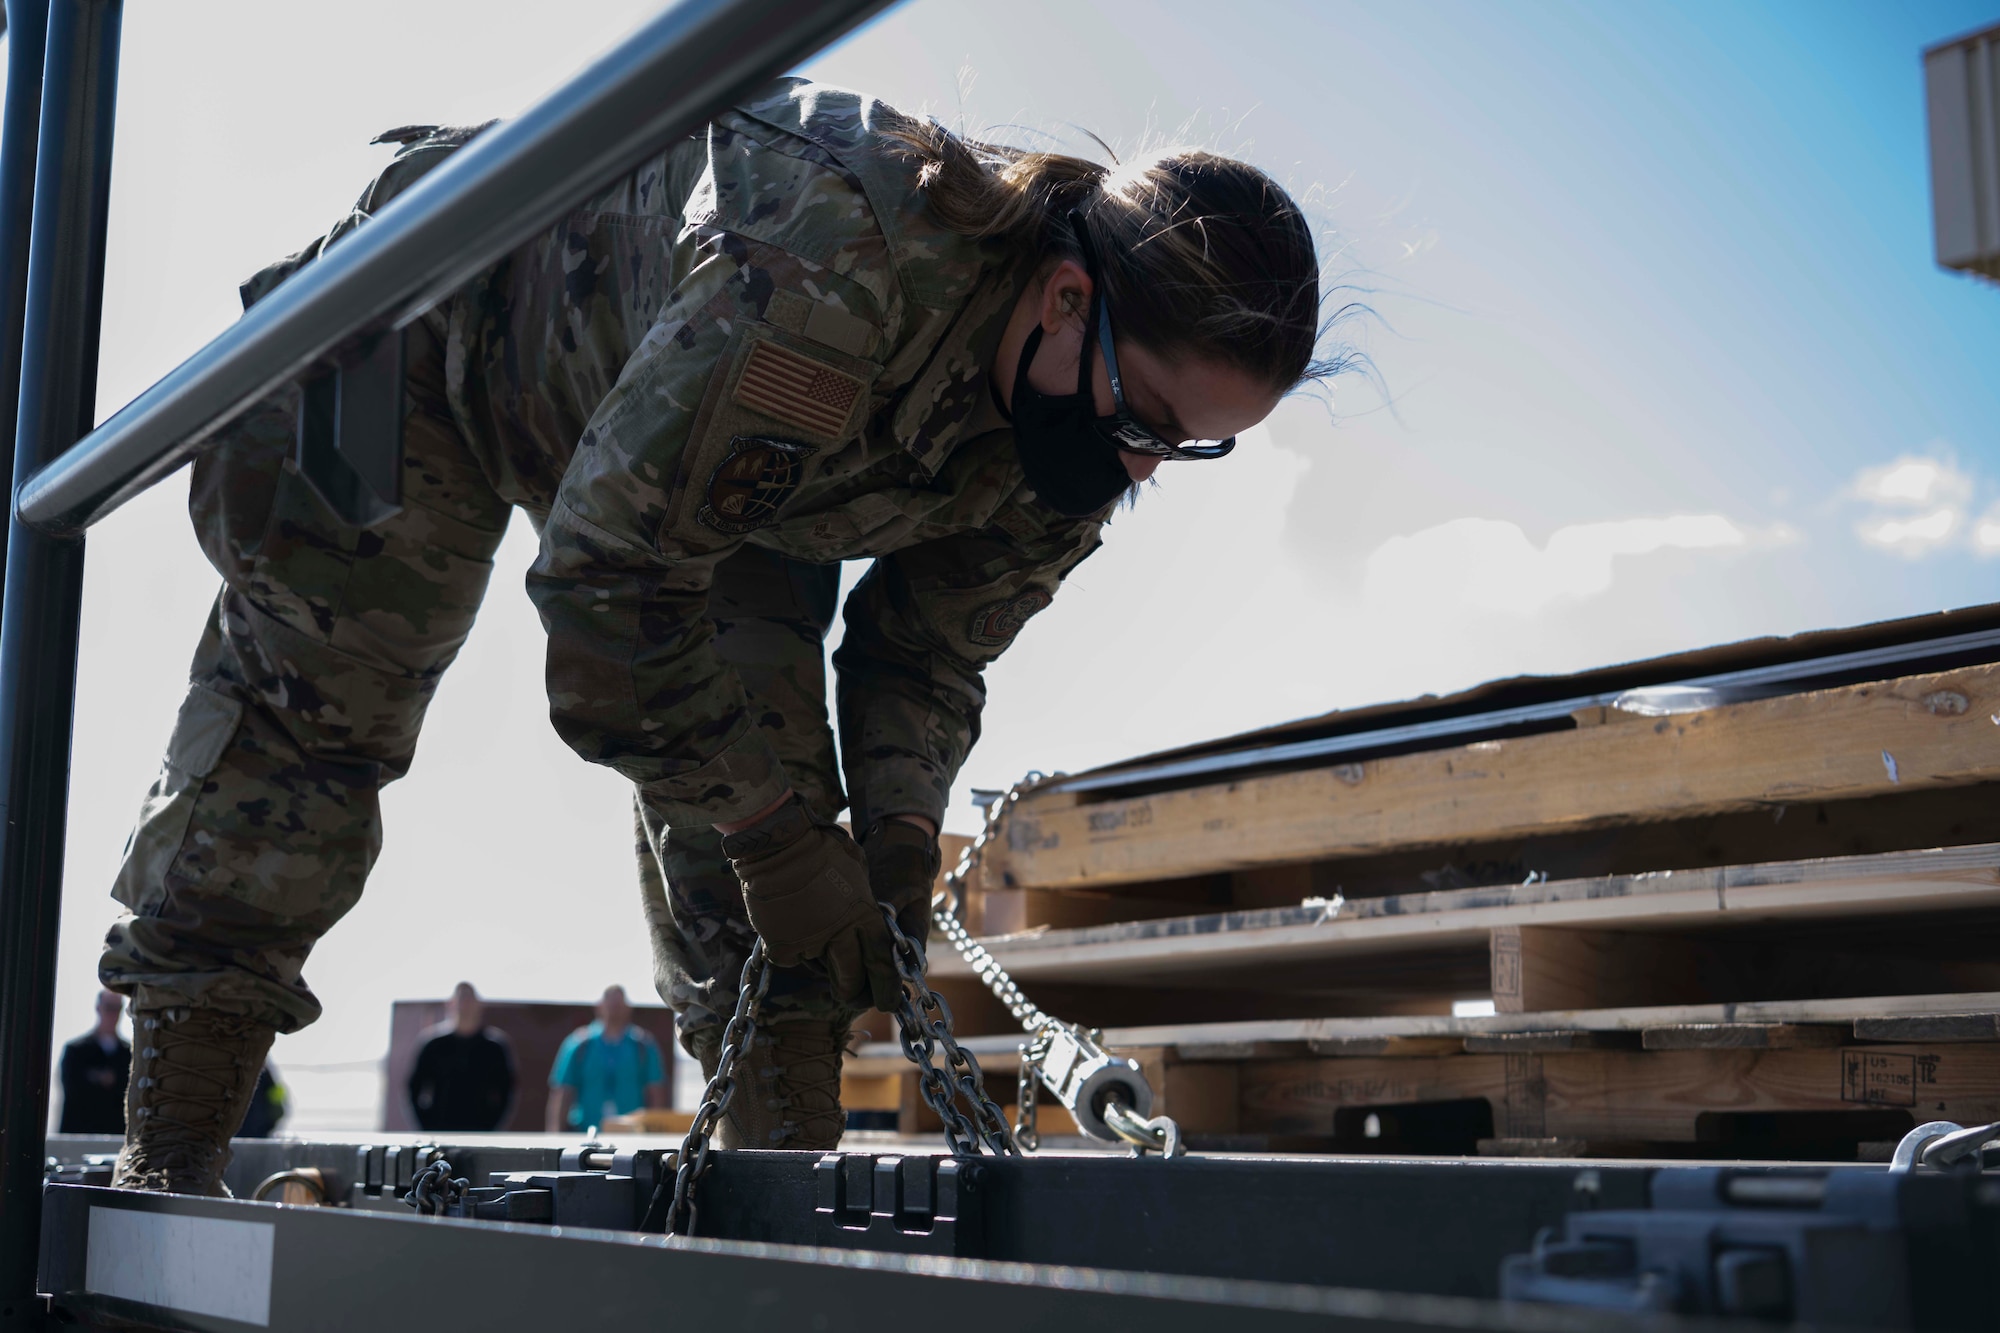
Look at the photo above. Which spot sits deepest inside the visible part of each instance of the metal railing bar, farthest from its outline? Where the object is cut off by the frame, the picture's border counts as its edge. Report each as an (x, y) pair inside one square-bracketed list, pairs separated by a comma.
[(659, 84)]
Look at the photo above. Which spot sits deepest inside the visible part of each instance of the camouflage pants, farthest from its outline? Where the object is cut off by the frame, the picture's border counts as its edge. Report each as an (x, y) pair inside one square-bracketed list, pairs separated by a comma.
[(308, 689)]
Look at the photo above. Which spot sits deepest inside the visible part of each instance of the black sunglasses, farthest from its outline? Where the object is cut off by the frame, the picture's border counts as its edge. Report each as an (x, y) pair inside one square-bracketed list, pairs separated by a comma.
[(1121, 428)]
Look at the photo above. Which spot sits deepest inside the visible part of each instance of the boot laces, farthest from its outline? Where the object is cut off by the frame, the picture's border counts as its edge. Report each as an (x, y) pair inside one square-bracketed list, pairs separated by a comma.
[(201, 1097), (808, 1087)]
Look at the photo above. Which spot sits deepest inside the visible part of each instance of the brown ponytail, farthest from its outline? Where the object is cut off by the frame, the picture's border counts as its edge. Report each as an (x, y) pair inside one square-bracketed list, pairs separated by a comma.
[(1202, 254)]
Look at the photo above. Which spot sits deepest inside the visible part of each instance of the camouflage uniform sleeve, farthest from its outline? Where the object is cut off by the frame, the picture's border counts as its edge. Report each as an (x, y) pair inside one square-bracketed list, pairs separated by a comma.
[(921, 627), (629, 550)]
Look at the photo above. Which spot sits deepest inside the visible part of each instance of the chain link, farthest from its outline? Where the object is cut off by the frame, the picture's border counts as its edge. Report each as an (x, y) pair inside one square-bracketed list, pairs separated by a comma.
[(924, 1029), (923, 1023), (436, 1191), (693, 1159), (1159, 1134), (1027, 1132), (984, 965)]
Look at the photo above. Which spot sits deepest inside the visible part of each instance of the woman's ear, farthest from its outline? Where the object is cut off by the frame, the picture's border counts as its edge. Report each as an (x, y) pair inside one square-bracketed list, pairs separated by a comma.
[(1065, 298)]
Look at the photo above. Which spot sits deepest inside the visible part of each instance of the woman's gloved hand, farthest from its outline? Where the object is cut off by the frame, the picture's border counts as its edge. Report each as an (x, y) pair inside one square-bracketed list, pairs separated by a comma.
[(903, 863), (805, 886)]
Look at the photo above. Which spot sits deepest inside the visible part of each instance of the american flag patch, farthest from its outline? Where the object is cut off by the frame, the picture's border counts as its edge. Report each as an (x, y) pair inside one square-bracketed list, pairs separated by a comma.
[(796, 389)]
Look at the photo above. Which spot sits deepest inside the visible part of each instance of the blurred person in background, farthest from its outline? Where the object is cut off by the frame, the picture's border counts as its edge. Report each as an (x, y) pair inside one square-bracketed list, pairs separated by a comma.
[(608, 1068), (268, 1105), (94, 1069), (463, 1078)]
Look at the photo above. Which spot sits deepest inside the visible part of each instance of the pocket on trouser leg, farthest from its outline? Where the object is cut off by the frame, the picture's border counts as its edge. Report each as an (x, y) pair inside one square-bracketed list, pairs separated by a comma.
[(231, 890), (233, 486), (207, 722)]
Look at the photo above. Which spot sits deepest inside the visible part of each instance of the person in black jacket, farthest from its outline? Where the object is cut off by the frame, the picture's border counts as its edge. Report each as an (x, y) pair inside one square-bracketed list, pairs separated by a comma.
[(464, 1075), (94, 1069)]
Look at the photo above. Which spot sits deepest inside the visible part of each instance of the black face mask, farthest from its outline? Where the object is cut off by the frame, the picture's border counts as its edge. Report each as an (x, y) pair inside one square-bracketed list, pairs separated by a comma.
[(1072, 468)]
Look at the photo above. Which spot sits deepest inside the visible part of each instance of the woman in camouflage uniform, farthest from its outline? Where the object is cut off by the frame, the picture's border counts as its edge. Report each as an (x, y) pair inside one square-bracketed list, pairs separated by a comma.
[(817, 331)]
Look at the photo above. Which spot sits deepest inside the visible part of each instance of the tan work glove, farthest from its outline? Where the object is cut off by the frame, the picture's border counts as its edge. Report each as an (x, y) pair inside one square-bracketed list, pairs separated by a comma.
[(903, 863), (805, 886)]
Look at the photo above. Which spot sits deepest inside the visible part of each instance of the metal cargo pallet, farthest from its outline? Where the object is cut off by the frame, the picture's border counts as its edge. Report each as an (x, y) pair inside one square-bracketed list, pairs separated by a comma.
[(537, 1233)]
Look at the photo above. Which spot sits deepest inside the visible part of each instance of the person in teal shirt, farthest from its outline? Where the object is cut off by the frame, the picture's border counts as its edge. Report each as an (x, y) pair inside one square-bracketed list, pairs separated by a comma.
[(609, 1068)]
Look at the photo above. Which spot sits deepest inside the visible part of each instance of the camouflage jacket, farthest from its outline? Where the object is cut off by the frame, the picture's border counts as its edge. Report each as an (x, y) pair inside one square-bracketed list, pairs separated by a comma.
[(763, 337)]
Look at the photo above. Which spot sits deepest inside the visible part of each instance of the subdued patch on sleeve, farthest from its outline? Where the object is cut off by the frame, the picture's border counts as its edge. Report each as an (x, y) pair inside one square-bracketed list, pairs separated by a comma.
[(833, 327), (788, 310), (995, 624), (750, 485), (822, 321)]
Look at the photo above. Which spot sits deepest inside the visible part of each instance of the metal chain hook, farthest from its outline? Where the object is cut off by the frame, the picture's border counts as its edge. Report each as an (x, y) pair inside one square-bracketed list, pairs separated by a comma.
[(1156, 1134), (1942, 1144)]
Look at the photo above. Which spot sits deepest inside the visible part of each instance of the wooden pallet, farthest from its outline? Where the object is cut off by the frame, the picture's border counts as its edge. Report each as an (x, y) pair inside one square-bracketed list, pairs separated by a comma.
[(1886, 739), (1831, 1080), (1770, 926), (1905, 922)]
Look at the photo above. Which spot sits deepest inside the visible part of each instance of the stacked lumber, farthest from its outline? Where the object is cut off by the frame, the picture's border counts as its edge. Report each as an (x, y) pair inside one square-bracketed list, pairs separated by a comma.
[(1766, 927)]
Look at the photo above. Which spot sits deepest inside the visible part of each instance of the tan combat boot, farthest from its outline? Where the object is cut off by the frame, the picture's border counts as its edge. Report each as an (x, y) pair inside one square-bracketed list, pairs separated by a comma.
[(787, 1085), (193, 1072)]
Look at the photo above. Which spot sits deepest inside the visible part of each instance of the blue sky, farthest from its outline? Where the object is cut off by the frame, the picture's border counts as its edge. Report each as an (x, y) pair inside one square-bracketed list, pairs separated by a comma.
[(1667, 360), (1655, 291)]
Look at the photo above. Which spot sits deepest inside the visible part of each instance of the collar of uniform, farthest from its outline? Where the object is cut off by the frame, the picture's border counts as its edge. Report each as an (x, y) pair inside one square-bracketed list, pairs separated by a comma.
[(934, 267), (951, 389)]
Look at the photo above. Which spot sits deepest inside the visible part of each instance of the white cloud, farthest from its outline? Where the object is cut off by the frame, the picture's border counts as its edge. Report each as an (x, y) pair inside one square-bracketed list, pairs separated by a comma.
[(1913, 483), (1911, 537), (1920, 506), (1490, 565)]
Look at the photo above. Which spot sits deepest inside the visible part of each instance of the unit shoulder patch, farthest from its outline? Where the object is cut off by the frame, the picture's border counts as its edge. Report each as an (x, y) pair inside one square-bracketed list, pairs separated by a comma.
[(752, 483), (797, 389), (995, 624)]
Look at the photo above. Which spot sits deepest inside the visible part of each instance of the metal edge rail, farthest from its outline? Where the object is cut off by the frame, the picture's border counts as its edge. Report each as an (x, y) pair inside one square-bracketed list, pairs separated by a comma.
[(654, 87), (1772, 679), (295, 1269)]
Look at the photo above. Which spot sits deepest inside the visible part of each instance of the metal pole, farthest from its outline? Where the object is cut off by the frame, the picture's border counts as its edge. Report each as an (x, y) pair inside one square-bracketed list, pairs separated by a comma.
[(28, 25), (655, 87), (23, 1116), (43, 598)]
